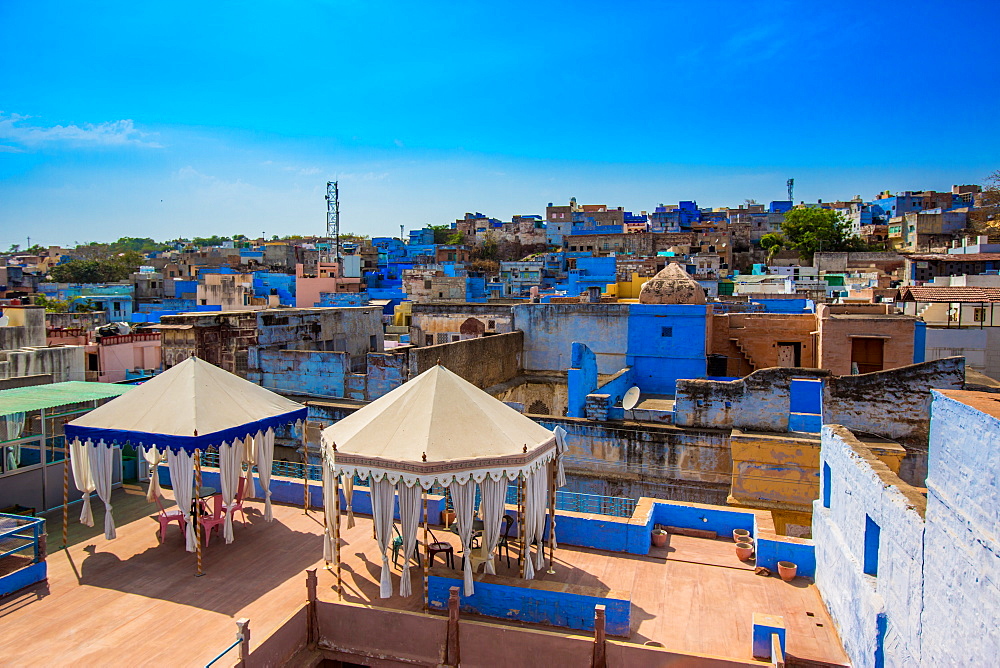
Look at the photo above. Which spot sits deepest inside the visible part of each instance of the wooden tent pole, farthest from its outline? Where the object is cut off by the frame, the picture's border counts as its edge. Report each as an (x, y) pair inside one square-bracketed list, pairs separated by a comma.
[(65, 526), (305, 469), (427, 559), (525, 551), (552, 517), (197, 509), (336, 531)]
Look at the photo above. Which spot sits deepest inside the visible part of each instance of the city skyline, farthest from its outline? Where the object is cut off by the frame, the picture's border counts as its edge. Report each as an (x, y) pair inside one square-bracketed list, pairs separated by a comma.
[(130, 121)]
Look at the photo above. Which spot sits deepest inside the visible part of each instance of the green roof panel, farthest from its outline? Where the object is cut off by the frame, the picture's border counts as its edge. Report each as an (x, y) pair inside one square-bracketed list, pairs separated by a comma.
[(36, 397)]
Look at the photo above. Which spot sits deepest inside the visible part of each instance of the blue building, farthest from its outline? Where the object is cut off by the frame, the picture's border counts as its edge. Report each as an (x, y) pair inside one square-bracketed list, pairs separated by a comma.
[(675, 219)]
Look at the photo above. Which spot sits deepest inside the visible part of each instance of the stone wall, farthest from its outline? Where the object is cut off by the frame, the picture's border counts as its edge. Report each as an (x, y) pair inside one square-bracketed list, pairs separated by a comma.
[(759, 402), (893, 404), (486, 361), (658, 461), (550, 330), (961, 611), (25, 328), (750, 340), (539, 394), (62, 362)]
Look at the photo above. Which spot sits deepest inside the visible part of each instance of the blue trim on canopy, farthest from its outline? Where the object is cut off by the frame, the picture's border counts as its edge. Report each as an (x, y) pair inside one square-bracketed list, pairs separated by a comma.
[(177, 443)]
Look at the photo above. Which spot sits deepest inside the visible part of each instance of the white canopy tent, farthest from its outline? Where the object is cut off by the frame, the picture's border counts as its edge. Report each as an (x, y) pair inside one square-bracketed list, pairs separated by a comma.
[(439, 429), (181, 413)]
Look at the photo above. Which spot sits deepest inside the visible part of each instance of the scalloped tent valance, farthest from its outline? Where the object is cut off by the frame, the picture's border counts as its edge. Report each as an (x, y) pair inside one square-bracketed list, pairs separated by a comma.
[(191, 406), (437, 428)]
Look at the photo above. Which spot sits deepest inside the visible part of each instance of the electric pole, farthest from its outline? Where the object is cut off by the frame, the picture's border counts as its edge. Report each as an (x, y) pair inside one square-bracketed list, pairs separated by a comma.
[(333, 216)]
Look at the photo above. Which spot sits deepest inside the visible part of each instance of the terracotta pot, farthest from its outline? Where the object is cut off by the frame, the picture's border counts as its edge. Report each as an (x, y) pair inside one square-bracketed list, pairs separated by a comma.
[(787, 570), (447, 517), (744, 551), (659, 538), (741, 536)]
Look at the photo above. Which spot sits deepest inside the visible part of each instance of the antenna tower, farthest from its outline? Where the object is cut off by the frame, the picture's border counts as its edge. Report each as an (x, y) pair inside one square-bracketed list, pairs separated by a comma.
[(333, 215), (790, 183)]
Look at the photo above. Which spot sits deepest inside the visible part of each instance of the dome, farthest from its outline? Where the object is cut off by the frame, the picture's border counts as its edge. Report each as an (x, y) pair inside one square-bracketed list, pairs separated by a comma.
[(673, 285)]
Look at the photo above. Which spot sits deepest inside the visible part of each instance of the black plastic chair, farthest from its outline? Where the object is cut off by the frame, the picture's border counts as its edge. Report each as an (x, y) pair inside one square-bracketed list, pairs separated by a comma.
[(503, 545), (438, 546)]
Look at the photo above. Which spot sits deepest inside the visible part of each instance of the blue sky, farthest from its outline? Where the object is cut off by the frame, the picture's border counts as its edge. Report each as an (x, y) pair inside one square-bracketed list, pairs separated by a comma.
[(179, 119)]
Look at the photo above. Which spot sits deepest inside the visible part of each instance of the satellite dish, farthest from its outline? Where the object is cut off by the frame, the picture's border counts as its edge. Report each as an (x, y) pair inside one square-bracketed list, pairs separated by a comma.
[(631, 398)]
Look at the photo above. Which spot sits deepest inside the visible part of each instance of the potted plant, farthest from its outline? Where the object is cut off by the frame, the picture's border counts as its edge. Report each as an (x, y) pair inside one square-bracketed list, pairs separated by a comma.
[(744, 551), (787, 570), (741, 536), (659, 537)]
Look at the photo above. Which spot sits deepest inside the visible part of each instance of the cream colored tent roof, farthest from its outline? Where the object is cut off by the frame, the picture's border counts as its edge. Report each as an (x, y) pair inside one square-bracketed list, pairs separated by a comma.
[(437, 427), (193, 405)]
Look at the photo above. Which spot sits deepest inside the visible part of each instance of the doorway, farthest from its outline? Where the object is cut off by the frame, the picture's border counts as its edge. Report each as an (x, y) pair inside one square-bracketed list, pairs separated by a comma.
[(866, 354), (789, 354)]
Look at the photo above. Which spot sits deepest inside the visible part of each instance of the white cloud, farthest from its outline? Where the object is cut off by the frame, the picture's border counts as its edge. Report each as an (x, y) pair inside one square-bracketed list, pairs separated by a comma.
[(112, 133)]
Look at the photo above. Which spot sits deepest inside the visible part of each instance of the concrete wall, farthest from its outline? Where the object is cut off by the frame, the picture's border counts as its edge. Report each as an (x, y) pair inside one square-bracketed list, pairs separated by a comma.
[(761, 401), (961, 611), (662, 461), (62, 362), (666, 342), (980, 347), (26, 327), (893, 404), (875, 614), (484, 362), (550, 330), (839, 325), (750, 340), (540, 395)]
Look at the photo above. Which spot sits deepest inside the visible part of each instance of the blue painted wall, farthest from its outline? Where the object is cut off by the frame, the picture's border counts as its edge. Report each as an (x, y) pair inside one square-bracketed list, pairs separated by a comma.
[(536, 604), (666, 342), (25, 577)]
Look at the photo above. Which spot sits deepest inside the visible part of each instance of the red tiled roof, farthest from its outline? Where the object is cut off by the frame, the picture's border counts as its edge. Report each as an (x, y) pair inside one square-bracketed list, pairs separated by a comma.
[(948, 294), (958, 257)]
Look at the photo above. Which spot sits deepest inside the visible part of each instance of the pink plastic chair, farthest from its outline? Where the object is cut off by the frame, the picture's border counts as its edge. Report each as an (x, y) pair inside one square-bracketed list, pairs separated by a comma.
[(167, 517), (237, 505), (210, 523)]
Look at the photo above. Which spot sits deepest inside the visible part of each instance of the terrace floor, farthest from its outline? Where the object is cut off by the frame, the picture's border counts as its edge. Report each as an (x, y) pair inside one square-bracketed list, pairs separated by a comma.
[(134, 601)]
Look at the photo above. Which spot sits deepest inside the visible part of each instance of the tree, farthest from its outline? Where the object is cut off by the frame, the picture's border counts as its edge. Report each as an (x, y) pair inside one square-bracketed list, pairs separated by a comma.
[(813, 230), (107, 269), (441, 233), (773, 244), (14, 248), (985, 218)]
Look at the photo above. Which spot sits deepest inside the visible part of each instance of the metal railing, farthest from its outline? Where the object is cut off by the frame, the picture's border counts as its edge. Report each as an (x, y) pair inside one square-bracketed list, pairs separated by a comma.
[(577, 502), (19, 533)]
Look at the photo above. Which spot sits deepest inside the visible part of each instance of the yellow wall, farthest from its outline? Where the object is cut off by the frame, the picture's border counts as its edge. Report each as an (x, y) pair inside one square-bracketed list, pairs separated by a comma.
[(401, 314), (626, 289)]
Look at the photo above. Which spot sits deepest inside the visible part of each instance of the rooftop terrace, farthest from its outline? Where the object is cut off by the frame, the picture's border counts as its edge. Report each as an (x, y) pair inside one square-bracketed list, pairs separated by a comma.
[(133, 600)]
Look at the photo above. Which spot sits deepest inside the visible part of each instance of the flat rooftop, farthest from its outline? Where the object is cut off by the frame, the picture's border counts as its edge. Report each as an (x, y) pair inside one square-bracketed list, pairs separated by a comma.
[(133, 600), (986, 402)]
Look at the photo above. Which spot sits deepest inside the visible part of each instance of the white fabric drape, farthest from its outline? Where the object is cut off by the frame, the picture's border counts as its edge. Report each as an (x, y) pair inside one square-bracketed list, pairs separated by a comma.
[(79, 459), (534, 520), (494, 493), (13, 426), (230, 468), (249, 458), (102, 459), (265, 457), (463, 497), (409, 518), (328, 510), (181, 465), (560, 452), (348, 480), (383, 495), (153, 458)]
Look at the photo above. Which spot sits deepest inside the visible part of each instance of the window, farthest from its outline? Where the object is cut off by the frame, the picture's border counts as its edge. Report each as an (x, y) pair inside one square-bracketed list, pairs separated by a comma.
[(979, 314), (666, 331), (117, 306), (491, 324), (872, 534), (827, 475), (427, 285)]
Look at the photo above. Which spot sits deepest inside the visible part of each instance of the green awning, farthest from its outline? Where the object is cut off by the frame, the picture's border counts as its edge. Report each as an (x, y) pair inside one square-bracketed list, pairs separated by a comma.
[(36, 397)]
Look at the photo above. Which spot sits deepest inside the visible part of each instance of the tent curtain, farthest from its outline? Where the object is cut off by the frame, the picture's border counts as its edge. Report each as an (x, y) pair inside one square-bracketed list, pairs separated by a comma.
[(409, 517), (181, 465), (250, 459), (230, 468), (383, 495), (265, 458), (348, 480), (463, 497), (328, 509), (153, 458), (13, 426), (560, 452), (534, 520), (79, 457), (494, 493), (102, 459)]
